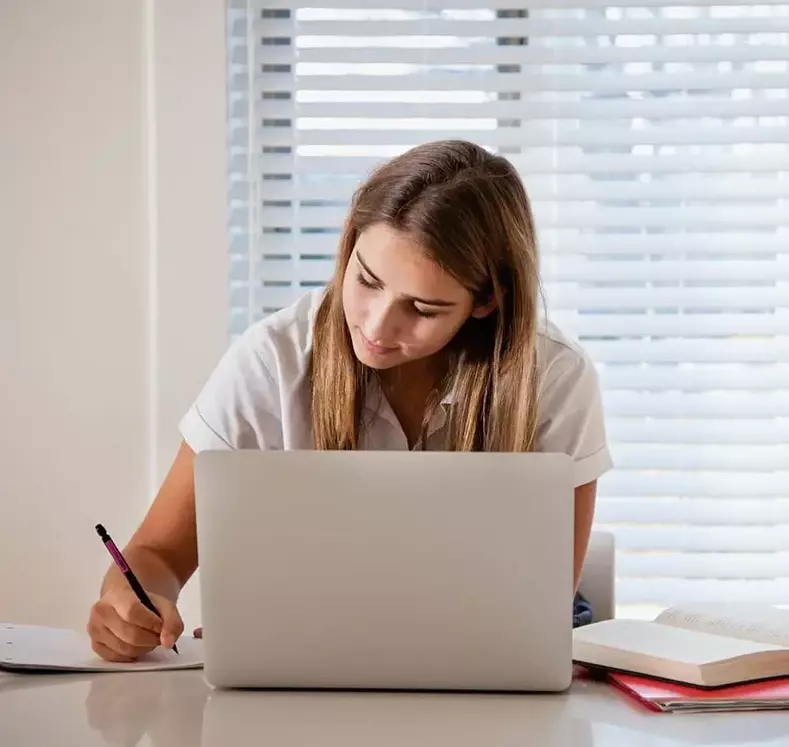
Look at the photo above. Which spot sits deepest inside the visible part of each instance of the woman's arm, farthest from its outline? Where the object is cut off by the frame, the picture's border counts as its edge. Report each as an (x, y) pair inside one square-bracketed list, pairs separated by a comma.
[(584, 515), (163, 554), (163, 551)]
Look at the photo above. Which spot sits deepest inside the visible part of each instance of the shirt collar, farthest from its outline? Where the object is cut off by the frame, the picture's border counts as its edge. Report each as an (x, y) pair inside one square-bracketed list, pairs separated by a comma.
[(375, 396), (377, 404)]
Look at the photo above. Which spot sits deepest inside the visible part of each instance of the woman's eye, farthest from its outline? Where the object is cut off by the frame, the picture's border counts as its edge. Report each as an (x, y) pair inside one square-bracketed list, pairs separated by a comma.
[(424, 314), (367, 283), (364, 281)]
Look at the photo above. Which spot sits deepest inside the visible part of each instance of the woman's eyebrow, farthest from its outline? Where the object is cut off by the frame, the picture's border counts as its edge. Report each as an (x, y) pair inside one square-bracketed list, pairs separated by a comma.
[(425, 301)]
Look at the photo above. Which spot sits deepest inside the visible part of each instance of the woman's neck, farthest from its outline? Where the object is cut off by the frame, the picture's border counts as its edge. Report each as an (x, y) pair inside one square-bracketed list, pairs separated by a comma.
[(407, 389), (416, 378)]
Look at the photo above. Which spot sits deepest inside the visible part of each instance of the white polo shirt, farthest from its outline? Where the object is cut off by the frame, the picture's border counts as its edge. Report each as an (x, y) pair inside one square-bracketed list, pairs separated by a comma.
[(258, 397)]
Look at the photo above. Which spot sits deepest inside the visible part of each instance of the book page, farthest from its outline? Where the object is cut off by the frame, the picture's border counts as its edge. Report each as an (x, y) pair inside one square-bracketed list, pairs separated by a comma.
[(33, 648), (759, 623), (626, 643), (658, 650)]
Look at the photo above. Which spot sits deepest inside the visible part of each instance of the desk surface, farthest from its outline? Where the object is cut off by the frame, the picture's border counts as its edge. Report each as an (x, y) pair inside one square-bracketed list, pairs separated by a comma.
[(177, 709)]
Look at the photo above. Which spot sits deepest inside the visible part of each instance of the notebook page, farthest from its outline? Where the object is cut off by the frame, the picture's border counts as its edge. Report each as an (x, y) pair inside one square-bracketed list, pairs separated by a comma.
[(35, 648), (759, 623)]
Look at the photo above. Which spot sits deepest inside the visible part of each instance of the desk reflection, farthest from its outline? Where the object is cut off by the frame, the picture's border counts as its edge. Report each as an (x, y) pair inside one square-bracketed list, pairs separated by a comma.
[(615, 719), (356, 719), (180, 710), (123, 708)]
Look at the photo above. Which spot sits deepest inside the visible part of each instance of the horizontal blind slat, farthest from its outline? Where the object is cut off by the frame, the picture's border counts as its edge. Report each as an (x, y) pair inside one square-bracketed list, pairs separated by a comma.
[(712, 565), (571, 188), (668, 592), (606, 82), (669, 483), (739, 458), (739, 271), (562, 160), (493, 54), (673, 325), (710, 431), (713, 405), (747, 539), (491, 26), (441, 5), (582, 215), (692, 299), (706, 512), (569, 243), (532, 134), (713, 377), (528, 108)]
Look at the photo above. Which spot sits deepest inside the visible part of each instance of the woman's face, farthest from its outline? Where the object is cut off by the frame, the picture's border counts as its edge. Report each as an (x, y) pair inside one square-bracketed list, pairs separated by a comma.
[(399, 305)]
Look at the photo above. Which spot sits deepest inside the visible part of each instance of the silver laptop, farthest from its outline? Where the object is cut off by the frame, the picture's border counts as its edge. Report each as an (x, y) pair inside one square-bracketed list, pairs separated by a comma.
[(386, 569)]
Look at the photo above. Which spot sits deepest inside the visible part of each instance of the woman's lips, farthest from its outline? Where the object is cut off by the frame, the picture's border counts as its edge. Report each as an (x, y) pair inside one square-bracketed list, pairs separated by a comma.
[(374, 347)]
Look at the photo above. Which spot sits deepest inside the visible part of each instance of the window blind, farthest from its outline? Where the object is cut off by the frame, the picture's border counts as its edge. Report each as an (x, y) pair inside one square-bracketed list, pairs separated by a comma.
[(653, 139)]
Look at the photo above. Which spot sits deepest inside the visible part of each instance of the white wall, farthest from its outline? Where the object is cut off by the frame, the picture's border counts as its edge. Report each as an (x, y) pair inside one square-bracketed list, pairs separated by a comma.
[(112, 279), (190, 114), (190, 298), (73, 269)]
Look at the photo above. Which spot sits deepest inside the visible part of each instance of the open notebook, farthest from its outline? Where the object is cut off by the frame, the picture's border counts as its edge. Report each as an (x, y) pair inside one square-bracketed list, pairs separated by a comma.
[(31, 648)]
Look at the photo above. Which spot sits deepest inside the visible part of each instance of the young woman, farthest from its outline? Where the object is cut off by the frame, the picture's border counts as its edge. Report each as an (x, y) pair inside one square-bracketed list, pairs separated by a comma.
[(429, 336)]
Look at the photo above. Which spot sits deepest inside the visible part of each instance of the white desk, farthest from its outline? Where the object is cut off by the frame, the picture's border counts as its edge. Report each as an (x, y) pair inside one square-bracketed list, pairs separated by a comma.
[(177, 709)]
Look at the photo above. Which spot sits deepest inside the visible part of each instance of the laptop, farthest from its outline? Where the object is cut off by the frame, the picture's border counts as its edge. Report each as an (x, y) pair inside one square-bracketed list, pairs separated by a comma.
[(386, 570)]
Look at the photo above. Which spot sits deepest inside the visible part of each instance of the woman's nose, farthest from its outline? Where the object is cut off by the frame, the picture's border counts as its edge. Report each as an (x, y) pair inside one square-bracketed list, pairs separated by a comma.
[(382, 324)]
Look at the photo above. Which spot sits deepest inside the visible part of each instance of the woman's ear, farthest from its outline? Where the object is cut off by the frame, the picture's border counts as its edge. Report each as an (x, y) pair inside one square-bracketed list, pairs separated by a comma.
[(480, 311)]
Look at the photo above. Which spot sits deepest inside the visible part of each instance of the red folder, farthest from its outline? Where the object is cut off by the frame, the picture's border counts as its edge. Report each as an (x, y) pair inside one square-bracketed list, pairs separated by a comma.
[(668, 697)]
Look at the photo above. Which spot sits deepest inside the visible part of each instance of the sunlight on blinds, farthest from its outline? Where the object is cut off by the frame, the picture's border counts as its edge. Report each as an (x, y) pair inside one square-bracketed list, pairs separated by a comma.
[(653, 139)]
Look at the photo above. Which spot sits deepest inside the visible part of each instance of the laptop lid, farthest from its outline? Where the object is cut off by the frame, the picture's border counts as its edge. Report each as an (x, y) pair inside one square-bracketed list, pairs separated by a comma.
[(386, 569)]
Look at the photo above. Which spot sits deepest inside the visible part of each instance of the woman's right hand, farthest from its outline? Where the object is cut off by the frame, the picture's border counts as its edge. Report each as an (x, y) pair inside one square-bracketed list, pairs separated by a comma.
[(122, 629)]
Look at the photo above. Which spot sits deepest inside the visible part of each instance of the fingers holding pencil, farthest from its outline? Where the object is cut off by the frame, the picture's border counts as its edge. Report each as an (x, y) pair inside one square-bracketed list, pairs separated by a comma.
[(122, 629), (127, 621)]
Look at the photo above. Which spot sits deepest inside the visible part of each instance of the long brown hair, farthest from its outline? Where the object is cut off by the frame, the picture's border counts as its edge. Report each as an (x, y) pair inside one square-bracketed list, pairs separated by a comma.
[(469, 210)]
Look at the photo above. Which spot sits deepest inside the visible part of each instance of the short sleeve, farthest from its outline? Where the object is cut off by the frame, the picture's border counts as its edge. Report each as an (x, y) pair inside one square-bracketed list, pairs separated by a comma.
[(239, 406), (570, 414)]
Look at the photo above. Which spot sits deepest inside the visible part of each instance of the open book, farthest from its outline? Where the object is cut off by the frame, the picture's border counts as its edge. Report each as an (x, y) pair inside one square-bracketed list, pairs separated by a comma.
[(32, 648), (707, 645)]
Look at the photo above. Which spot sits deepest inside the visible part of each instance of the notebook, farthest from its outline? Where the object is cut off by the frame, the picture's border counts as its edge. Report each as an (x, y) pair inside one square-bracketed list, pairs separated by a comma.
[(32, 648), (707, 645), (672, 698)]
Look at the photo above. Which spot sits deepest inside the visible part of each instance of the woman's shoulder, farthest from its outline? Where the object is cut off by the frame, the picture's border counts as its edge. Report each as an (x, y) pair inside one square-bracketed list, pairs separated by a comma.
[(285, 337), (257, 386), (571, 418), (559, 356)]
